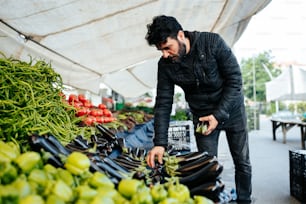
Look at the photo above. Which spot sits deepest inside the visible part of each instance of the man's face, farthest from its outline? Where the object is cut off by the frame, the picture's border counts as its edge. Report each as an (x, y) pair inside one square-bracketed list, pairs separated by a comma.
[(173, 49)]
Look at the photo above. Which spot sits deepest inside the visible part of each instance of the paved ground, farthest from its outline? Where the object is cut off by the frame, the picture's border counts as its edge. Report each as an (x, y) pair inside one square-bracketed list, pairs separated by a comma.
[(270, 162)]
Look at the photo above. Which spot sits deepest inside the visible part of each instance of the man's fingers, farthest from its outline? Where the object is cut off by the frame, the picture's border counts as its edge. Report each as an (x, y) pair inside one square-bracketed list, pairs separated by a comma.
[(150, 160)]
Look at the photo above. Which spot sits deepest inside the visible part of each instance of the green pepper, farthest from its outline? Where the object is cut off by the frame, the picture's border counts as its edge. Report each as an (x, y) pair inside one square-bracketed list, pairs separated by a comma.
[(102, 199), (28, 160), (8, 152), (38, 176), (169, 201), (84, 192), (8, 194), (66, 176), (105, 191), (48, 188), (142, 197), (62, 190), (202, 200), (77, 163), (159, 192), (30, 199), (179, 192), (50, 170), (22, 186), (99, 179), (8, 173), (129, 187), (53, 199)]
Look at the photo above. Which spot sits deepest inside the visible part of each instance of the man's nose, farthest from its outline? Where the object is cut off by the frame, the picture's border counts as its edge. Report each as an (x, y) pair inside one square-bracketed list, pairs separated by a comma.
[(165, 53)]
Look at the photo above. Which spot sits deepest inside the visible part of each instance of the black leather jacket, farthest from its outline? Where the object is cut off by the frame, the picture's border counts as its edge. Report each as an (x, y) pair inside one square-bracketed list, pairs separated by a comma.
[(211, 79)]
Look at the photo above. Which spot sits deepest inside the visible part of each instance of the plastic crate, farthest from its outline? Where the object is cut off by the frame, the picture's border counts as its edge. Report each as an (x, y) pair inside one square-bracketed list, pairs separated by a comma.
[(298, 174), (181, 136)]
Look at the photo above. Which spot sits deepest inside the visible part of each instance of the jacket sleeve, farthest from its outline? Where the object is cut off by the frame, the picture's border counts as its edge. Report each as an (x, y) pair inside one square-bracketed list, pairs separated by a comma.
[(231, 74), (163, 106)]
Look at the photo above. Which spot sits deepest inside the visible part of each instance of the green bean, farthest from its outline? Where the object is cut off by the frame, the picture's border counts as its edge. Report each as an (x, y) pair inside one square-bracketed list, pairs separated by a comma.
[(30, 102)]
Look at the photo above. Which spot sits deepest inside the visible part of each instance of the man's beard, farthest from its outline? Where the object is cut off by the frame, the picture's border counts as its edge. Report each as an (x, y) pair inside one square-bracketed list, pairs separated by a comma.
[(181, 52)]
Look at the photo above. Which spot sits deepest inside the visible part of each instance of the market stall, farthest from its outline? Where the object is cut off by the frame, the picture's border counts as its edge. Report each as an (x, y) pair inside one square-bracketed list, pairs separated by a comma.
[(57, 148)]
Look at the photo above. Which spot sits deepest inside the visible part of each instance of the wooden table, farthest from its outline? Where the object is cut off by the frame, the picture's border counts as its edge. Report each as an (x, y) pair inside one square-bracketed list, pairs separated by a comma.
[(286, 125)]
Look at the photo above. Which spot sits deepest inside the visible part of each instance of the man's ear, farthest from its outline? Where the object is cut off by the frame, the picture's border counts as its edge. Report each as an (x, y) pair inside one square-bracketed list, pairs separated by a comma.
[(181, 35)]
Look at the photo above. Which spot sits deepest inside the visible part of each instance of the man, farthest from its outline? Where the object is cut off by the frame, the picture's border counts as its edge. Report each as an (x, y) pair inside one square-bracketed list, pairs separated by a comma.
[(206, 69)]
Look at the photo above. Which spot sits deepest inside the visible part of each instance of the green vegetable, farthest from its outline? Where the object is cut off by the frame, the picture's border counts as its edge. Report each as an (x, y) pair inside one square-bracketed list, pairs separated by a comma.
[(84, 192), (8, 173), (158, 193), (201, 128), (77, 163), (28, 160), (129, 187), (31, 102), (66, 176), (178, 191), (30, 199), (63, 191), (38, 176), (202, 200), (8, 151), (99, 179), (22, 187)]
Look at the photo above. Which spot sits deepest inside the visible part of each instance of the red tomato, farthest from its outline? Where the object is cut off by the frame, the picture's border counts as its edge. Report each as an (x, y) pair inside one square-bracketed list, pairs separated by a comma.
[(99, 119), (107, 113), (96, 112), (76, 104), (108, 119), (88, 104), (102, 106), (82, 98), (89, 121), (82, 111), (73, 97)]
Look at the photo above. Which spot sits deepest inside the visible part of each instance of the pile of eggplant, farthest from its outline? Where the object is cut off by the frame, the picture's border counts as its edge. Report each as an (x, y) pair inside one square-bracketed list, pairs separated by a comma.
[(100, 149), (201, 173)]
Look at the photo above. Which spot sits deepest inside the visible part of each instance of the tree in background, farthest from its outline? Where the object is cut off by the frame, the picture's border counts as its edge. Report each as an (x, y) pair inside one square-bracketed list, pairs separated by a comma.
[(257, 63)]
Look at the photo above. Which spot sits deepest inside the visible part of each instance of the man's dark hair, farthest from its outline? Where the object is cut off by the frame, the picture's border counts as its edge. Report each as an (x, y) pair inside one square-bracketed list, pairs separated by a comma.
[(161, 28)]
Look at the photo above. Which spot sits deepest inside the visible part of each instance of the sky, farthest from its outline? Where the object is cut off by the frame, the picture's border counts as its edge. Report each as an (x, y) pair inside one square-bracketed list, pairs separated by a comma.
[(281, 28)]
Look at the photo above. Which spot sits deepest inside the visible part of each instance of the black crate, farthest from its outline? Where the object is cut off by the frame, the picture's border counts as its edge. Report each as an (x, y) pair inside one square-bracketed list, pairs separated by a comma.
[(298, 174), (181, 136)]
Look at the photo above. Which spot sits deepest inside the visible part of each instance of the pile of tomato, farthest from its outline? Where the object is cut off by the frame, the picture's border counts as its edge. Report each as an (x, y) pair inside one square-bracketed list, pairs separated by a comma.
[(91, 114)]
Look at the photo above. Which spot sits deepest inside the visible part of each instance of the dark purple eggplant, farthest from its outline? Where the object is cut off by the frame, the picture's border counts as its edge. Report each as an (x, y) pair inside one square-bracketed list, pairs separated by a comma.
[(210, 190), (39, 142), (106, 167), (79, 140), (52, 139), (115, 165), (186, 158), (195, 165), (208, 173), (106, 133)]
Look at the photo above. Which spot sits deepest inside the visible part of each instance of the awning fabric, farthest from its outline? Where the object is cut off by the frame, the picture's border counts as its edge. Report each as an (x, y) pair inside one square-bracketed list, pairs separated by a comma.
[(102, 41), (289, 85)]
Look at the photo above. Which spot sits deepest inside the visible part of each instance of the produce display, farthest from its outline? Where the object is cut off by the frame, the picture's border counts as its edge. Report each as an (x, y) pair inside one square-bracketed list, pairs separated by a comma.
[(55, 149), (29, 178)]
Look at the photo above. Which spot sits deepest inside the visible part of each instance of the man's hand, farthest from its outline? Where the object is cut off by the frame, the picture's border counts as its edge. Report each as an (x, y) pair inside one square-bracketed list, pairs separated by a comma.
[(157, 151), (211, 123)]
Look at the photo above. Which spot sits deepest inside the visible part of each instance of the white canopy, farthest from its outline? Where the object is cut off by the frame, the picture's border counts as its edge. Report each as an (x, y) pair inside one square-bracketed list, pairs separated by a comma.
[(289, 85), (102, 41)]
